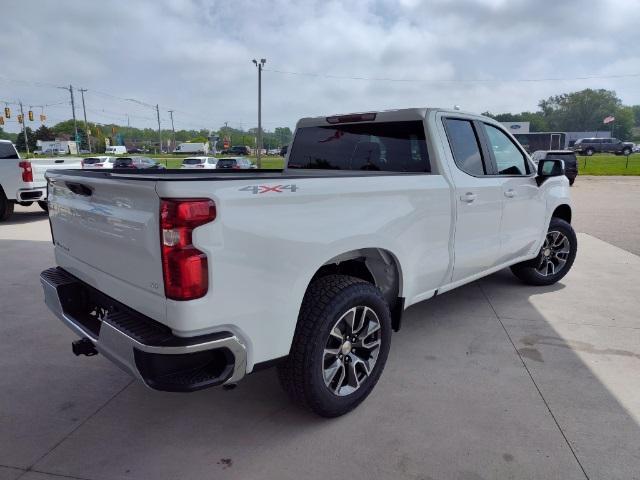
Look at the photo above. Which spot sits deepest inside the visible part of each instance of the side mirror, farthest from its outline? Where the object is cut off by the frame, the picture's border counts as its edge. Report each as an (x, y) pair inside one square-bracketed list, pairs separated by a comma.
[(549, 168)]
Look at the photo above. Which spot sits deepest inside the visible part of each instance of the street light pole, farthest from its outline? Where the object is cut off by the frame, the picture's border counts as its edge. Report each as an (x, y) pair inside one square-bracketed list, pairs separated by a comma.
[(86, 126), (159, 131), (260, 65), (24, 130), (173, 129)]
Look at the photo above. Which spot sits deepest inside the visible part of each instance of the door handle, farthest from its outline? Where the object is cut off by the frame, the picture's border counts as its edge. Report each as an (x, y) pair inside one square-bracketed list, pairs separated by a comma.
[(468, 197), (510, 193)]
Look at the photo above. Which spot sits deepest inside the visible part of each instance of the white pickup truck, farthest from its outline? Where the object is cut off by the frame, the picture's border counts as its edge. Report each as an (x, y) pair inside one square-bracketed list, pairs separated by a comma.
[(23, 181), (188, 279)]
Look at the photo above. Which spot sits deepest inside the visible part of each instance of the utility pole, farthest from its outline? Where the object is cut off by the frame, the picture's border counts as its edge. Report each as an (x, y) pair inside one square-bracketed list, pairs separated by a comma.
[(173, 129), (159, 131), (86, 126), (24, 130), (73, 110), (260, 65)]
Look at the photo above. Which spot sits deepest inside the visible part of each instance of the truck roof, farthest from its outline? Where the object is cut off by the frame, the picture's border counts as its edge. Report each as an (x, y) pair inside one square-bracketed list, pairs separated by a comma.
[(397, 115)]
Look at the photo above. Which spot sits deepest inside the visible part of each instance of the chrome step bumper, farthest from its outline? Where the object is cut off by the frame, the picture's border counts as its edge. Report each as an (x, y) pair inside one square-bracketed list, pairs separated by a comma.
[(145, 348)]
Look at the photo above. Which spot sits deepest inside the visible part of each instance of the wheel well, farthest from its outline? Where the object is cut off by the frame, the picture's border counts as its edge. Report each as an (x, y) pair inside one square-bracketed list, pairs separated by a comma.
[(373, 265), (563, 212)]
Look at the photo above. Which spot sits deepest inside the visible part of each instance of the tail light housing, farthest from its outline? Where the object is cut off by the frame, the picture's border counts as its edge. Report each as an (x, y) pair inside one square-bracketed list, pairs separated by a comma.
[(185, 268), (27, 171)]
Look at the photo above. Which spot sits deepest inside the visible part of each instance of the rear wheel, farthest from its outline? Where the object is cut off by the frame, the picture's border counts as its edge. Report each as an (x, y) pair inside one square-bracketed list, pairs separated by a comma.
[(626, 151), (340, 346), (6, 206), (554, 259), (43, 205)]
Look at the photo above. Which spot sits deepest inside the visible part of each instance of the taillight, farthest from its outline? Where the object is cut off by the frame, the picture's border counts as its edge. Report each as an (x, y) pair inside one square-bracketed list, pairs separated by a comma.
[(184, 267), (27, 172)]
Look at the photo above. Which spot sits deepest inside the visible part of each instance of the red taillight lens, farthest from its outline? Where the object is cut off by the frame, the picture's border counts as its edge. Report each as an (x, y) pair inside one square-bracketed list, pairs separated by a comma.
[(27, 172), (185, 268)]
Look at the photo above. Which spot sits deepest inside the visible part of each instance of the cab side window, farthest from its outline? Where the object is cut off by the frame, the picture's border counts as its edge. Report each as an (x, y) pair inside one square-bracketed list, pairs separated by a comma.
[(509, 159), (465, 147)]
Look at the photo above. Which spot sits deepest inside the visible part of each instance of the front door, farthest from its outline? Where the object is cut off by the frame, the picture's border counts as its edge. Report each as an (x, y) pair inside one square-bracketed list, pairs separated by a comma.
[(524, 207)]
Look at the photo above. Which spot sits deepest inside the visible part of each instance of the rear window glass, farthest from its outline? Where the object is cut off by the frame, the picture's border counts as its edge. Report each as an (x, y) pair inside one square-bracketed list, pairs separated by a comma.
[(191, 161), (384, 146), (465, 146), (91, 161), (7, 150), (123, 162), (226, 163)]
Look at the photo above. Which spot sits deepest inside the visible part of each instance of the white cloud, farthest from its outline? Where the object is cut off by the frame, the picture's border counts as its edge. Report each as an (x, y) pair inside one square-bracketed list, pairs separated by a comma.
[(194, 55)]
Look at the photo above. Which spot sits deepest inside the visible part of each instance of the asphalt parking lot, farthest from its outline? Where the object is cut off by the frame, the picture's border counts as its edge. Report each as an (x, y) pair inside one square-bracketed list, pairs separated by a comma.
[(494, 380)]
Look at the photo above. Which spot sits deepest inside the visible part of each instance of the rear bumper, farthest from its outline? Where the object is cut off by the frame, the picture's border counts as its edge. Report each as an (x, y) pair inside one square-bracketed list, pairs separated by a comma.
[(31, 194), (144, 348)]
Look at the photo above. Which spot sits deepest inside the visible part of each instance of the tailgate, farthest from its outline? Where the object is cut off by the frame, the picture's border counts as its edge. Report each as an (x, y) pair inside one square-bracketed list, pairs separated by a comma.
[(41, 165), (106, 232)]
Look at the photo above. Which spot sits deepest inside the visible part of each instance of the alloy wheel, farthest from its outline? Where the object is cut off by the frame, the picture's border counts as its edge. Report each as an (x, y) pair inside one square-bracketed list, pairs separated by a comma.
[(553, 254), (351, 350)]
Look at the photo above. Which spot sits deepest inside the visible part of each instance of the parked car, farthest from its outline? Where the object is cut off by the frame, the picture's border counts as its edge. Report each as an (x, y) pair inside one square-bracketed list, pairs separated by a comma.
[(309, 268), (273, 151), (237, 150), (199, 162), (100, 161), (567, 156), (23, 181), (589, 146), (283, 151), (234, 162), (116, 150), (136, 162), (189, 147)]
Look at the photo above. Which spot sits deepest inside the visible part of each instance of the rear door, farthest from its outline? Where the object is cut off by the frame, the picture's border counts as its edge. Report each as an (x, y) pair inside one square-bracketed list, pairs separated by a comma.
[(478, 199)]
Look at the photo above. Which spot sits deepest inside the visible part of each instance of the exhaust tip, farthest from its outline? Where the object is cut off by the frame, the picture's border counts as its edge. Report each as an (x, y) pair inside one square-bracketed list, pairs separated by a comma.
[(84, 346)]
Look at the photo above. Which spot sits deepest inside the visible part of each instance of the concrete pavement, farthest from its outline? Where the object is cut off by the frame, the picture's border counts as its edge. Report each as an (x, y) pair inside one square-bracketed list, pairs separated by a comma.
[(493, 380)]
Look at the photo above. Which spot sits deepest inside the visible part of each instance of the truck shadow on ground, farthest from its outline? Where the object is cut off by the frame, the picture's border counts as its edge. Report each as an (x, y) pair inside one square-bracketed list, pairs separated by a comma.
[(22, 215), (461, 397)]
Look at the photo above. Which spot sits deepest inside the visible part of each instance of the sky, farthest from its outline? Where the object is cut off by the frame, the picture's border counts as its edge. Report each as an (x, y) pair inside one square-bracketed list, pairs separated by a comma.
[(323, 57)]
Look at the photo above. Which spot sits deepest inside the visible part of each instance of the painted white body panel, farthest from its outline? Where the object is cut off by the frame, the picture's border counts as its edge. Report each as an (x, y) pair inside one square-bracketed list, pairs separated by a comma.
[(11, 175), (263, 249)]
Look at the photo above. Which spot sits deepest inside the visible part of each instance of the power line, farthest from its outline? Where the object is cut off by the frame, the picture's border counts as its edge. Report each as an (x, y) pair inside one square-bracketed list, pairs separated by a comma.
[(480, 80)]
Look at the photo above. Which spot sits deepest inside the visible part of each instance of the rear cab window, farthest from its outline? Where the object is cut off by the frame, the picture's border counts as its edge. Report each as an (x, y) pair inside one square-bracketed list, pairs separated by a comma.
[(192, 161), (7, 151), (380, 146)]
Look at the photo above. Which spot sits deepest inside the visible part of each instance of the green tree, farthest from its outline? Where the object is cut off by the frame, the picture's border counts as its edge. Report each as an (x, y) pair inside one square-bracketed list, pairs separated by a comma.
[(636, 115), (585, 110), (44, 133), (7, 136), (20, 145)]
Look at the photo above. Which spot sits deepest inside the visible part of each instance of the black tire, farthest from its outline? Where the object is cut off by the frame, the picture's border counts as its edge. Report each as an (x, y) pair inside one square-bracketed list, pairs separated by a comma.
[(6, 206), (626, 151), (571, 181), (529, 271), (327, 300), (590, 151), (43, 205)]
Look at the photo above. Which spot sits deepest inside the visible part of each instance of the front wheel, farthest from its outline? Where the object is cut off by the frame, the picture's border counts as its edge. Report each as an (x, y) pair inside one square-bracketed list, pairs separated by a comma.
[(340, 346), (43, 205), (590, 151), (554, 259), (626, 151)]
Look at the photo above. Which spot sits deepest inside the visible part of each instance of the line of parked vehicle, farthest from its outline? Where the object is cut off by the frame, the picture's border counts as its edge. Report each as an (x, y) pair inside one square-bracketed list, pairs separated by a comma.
[(139, 162)]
